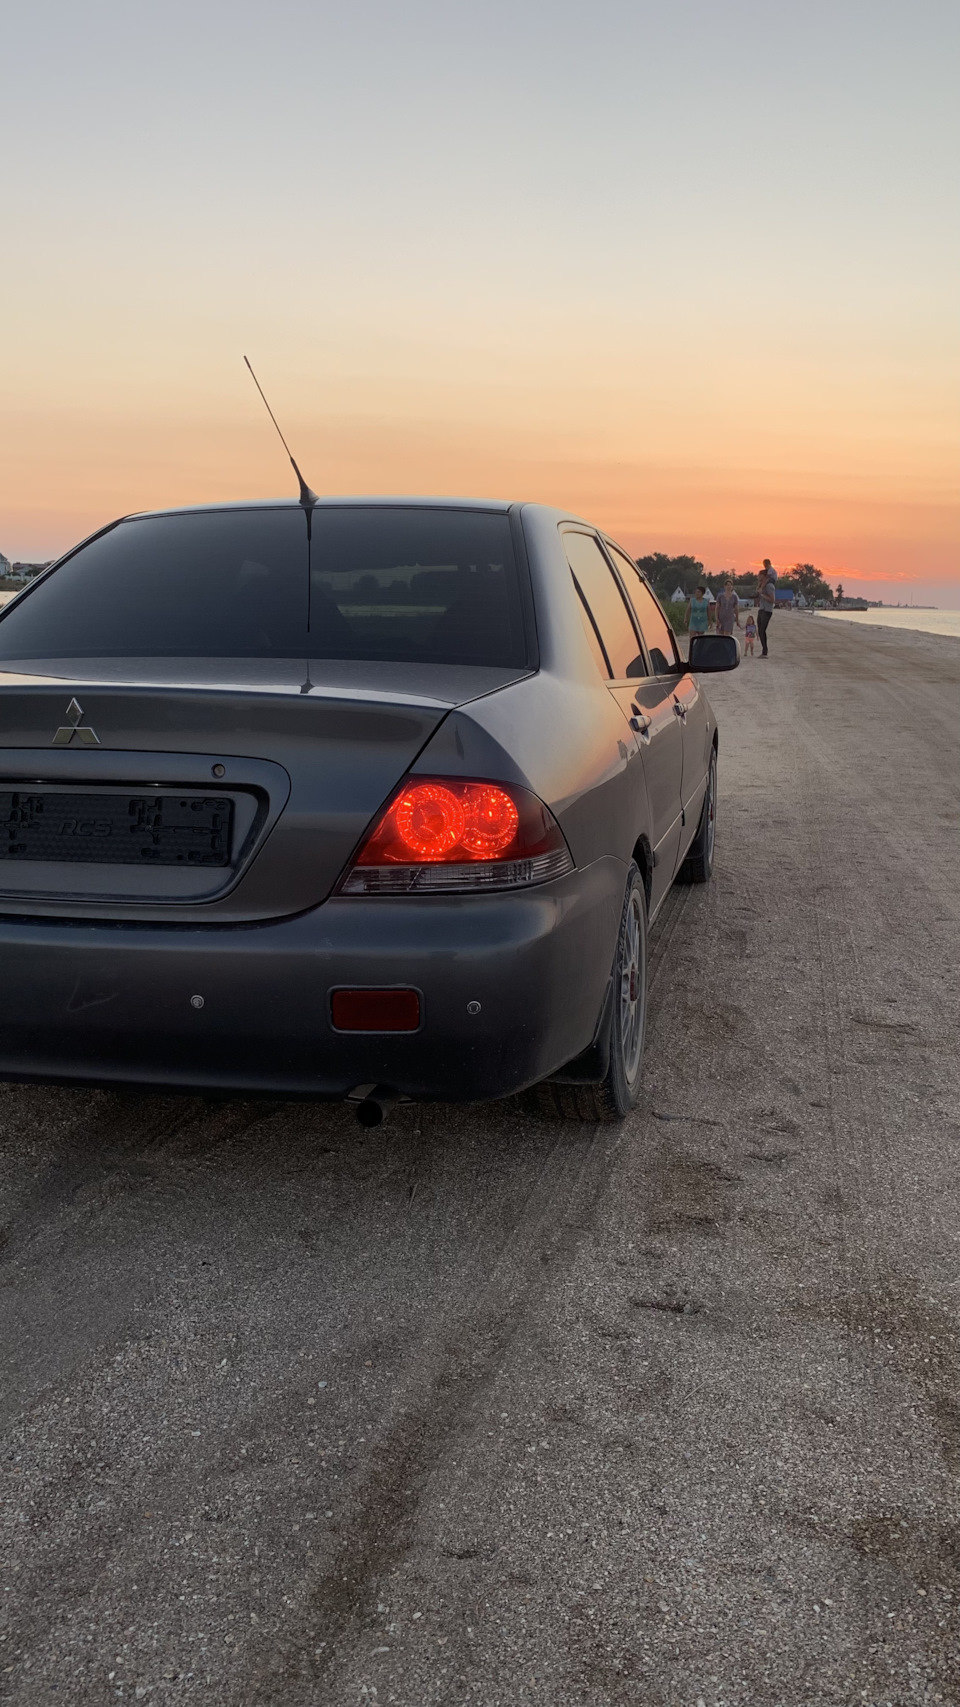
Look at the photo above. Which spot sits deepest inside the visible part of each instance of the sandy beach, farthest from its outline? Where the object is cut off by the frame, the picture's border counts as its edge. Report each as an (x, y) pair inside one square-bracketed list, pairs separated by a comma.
[(482, 1408)]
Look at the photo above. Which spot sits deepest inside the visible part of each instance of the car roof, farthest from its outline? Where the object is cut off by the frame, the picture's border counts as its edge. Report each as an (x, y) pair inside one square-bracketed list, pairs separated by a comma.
[(394, 501), (334, 502)]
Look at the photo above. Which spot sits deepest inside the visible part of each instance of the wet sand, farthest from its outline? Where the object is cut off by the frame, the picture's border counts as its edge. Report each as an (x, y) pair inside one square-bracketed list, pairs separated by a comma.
[(483, 1408)]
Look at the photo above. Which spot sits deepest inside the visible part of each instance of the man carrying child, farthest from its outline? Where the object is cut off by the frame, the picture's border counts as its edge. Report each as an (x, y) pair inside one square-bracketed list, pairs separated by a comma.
[(766, 602)]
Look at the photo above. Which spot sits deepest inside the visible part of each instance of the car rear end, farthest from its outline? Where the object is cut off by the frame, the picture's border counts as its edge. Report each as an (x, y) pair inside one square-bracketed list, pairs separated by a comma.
[(232, 859)]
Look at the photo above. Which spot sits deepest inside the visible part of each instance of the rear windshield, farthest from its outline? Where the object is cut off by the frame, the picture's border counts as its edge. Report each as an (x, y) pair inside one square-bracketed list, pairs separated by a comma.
[(403, 585)]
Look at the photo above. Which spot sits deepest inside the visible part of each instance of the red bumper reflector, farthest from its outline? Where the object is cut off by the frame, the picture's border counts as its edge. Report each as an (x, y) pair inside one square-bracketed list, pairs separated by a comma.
[(375, 1010)]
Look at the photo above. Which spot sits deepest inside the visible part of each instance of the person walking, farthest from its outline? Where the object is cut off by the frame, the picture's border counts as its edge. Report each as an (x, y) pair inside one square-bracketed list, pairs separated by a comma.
[(728, 609), (766, 602), (698, 612)]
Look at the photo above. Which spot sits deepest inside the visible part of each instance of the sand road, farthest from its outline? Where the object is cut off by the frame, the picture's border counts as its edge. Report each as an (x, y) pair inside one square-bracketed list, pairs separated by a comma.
[(484, 1408)]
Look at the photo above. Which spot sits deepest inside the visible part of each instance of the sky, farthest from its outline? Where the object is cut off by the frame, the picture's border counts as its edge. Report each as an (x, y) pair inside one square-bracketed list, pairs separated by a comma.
[(691, 270)]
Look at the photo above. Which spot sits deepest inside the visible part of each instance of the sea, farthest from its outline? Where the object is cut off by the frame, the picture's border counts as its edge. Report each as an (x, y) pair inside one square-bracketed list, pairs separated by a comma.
[(927, 621)]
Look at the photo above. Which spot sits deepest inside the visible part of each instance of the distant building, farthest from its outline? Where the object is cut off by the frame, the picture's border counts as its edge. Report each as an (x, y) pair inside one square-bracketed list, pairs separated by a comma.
[(784, 596), (26, 571), (677, 596), (5, 565)]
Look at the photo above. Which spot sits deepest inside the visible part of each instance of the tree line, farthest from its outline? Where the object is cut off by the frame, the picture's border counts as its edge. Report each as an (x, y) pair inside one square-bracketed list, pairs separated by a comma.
[(668, 573)]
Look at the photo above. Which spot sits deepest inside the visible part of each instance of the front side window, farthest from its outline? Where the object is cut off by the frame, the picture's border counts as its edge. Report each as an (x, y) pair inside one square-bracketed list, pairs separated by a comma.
[(403, 585), (656, 631), (601, 593)]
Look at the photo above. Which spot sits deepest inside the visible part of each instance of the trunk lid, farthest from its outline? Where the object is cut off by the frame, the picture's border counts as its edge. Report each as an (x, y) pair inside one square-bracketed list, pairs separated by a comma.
[(245, 784)]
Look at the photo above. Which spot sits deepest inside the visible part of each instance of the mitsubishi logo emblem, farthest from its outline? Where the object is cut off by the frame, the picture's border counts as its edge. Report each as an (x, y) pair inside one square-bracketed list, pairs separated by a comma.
[(76, 729)]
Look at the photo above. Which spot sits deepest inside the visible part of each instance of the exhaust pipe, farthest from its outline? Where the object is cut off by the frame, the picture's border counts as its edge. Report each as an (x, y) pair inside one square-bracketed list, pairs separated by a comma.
[(376, 1105)]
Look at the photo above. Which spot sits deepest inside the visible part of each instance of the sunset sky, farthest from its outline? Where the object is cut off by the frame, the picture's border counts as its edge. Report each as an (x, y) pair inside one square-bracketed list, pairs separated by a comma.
[(691, 269)]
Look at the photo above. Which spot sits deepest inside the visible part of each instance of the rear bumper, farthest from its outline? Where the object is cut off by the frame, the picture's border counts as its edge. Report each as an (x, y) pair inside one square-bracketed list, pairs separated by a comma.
[(110, 1004)]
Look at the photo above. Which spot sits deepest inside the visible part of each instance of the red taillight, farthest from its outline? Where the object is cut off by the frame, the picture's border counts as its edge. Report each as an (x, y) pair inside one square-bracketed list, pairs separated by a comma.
[(441, 833), (492, 823), (428, 820), (375, 1010), (437, 820)]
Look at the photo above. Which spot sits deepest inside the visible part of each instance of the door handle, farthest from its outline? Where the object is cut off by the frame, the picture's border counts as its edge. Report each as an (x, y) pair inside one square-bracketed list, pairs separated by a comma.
[(680, 711), (639, 722)]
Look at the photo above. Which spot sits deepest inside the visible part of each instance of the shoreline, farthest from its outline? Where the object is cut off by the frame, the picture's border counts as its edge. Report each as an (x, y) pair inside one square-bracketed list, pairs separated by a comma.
[(941, 624), (887, 631), (930, 640)]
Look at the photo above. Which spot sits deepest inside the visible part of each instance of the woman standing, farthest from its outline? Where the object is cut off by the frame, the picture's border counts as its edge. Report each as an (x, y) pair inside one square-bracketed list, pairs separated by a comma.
[(728, 609), (698, 612)]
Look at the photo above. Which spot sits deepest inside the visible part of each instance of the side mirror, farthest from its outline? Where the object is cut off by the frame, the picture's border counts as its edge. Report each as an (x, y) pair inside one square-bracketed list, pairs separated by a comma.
[(709, 653)]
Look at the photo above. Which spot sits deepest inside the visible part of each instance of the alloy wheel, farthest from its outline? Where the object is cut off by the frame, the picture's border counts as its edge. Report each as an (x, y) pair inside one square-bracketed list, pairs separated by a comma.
[(711, 810), (633, 987)]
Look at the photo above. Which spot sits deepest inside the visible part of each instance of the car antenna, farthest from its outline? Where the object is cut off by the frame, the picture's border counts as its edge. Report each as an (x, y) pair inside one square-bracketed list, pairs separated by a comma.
[(307, 497)]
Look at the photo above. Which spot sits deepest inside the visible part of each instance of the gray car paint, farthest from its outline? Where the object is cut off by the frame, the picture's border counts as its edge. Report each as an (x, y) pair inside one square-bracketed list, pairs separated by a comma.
[(338, 738), (334, 752)]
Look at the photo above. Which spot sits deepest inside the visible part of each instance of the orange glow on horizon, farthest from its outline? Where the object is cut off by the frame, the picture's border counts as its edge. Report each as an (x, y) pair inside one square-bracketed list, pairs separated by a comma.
[(729, 498)]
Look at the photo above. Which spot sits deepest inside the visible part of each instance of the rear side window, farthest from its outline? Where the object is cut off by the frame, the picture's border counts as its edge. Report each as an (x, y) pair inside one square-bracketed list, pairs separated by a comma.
[(601, 593), (401, 585), (590, 630), (656, 631)]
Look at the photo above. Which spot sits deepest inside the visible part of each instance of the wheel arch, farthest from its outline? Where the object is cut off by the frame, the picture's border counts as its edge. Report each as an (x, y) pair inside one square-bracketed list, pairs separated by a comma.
[(643, 855)]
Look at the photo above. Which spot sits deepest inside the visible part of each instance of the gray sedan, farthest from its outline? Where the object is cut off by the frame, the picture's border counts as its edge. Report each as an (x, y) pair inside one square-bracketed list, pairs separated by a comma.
[(371, 798)]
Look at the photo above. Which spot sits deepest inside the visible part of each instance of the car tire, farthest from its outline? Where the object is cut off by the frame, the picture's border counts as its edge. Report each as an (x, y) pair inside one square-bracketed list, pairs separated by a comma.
[(613, 1096), (698, 865)]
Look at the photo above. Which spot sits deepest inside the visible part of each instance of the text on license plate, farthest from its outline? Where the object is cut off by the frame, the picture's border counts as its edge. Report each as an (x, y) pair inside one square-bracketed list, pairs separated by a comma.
[(116, 828)]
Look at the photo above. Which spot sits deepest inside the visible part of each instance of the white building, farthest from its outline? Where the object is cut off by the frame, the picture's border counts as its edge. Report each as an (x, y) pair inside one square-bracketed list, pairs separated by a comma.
[(26, 571), (5, 564)]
